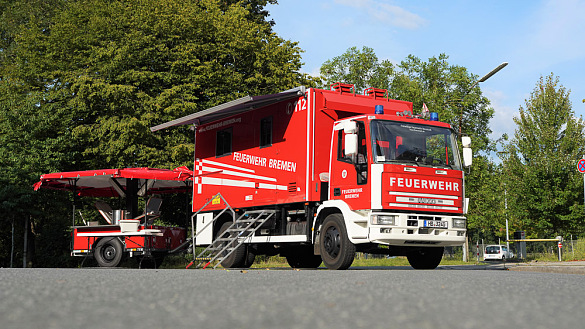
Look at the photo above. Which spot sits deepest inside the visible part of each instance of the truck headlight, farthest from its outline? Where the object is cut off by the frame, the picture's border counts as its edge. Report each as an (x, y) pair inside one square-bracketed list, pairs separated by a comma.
[(384, 219), (458, 223)]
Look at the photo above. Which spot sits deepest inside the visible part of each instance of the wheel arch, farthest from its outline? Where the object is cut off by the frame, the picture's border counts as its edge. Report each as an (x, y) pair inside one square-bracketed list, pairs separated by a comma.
[(121, 239), (350, 219)]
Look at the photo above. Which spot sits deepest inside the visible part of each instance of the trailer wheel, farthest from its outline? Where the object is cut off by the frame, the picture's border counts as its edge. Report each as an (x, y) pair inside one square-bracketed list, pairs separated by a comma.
[(426, 258), (337, 252), (238, 257), (108, 252), (303, 257)]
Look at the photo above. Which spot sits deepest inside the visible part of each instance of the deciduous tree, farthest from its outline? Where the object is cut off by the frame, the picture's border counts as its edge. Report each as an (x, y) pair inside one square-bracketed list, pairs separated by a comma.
[(545, 190), (82, 82)]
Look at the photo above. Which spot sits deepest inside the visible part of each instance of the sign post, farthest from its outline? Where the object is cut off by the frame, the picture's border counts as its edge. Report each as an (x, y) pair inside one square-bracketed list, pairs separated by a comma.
[(581, 168)]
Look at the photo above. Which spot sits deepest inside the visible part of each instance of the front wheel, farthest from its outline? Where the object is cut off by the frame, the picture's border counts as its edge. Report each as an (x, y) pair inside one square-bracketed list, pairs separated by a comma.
[(337, 251), (426, 258), (108, 252)]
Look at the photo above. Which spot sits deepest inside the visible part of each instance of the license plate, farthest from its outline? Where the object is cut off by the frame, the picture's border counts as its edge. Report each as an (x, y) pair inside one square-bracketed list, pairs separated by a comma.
[(435, 223)]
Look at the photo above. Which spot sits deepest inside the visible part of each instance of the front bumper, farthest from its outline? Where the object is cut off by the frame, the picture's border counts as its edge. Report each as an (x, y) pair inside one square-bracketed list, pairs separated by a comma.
[(410, 230)]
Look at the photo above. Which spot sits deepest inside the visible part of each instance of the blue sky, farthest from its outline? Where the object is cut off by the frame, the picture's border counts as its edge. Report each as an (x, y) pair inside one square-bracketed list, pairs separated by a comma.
[(535, 37)]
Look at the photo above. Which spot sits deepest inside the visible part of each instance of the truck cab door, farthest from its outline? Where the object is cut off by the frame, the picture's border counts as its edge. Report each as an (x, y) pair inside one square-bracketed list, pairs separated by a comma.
[(349, 172)]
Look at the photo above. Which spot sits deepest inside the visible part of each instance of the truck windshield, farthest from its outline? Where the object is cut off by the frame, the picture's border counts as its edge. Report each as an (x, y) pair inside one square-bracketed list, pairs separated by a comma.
[(413, 143)]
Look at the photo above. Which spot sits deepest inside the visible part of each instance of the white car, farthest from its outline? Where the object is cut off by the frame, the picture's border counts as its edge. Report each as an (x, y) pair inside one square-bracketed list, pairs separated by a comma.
[(497, 252)]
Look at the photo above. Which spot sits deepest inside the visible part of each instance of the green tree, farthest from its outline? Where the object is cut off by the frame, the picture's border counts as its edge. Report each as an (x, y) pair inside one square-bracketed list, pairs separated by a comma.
[(361, 68), (444, 88), (544, 188), (82, 82)]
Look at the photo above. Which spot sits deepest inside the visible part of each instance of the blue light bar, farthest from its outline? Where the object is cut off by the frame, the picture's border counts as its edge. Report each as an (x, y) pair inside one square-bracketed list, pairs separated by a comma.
[(434, 116), (379, 109)]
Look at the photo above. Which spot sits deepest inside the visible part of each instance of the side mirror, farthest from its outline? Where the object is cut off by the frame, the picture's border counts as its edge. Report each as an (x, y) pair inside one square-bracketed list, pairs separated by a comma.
[(467, 157), (351, 144), (466, 141), (467, 152)]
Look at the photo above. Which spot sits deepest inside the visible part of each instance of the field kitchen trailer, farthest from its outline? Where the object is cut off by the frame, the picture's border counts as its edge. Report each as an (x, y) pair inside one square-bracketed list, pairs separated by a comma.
[(317, 175), (126, 232)]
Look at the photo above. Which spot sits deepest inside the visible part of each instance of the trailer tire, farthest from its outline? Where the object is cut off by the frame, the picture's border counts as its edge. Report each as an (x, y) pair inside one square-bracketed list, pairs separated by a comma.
[(303, 257), (238, 257), (337, 252), (108, 252), (426, 258)]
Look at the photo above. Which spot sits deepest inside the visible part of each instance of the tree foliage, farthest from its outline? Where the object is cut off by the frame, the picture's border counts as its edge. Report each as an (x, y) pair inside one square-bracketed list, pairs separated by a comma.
[(544, 188), (82, 81), (361, 68), (444, 88)]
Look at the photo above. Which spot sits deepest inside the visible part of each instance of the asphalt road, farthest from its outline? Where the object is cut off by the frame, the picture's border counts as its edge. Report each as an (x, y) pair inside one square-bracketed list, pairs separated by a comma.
[(356, 298)]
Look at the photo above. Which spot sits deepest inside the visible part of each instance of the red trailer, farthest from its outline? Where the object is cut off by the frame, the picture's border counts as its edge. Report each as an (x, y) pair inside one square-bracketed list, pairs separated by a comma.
[(127, 231)]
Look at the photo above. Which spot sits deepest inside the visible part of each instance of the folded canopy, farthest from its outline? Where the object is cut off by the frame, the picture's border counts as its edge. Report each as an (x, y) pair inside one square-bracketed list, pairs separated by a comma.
[(113, 182)]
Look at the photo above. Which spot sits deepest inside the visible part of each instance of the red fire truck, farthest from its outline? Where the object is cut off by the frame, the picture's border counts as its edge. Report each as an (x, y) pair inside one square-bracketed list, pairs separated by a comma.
[(318, 175), (125, 231)]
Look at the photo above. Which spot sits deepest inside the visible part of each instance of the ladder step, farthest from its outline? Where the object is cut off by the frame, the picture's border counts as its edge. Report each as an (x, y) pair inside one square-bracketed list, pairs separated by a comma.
[(238, 229), (243, 228)]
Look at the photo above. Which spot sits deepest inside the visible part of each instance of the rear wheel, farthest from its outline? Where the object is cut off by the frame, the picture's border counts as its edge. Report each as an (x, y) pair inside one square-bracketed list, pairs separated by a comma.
[(303, 257), (426, 258), (108, 252), (237, 258), (249, 257), (337, 252)]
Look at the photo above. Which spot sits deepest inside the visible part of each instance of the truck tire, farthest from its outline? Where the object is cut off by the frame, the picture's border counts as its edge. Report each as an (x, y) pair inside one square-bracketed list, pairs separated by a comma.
[(337, 252), (249, 257), (108, 252), (303, 257), (426, 258), (238, 257)]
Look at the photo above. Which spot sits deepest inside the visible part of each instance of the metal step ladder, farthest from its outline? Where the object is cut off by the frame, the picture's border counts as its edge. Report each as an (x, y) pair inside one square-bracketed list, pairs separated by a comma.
[(234, 236)]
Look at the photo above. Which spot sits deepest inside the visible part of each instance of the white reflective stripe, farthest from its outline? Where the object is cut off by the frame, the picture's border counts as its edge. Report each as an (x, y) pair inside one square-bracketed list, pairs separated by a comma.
[(422, 195), (273, 187), (376, 180), (227, 165), (235, 173), (276, 238), (428, 201), (240, 183), (425, 206)]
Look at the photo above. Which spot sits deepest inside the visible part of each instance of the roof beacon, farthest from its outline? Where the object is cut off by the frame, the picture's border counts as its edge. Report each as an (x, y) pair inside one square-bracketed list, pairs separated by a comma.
[(379, 109), (434, 116)]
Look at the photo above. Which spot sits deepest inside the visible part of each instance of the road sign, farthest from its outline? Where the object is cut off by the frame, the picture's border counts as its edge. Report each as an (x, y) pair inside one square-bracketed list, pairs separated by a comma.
[(560, 245), (581, 166)]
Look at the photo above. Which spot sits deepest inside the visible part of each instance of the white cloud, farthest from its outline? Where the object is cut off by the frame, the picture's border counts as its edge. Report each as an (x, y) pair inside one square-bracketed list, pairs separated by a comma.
[(503, 120), (388, 14)]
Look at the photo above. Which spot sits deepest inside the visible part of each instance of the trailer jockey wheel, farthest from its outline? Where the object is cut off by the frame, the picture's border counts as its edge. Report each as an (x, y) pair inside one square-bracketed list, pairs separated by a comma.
[(425, 258), (108, 252), (337, 251)]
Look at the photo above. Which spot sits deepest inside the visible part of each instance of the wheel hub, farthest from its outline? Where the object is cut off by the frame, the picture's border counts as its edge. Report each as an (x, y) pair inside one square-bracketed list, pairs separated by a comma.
[(332, 241), (109, 252)]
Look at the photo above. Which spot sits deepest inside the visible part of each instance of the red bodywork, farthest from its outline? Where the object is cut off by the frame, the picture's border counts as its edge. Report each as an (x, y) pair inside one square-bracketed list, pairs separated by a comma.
[(108, 183), (288, 170)]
